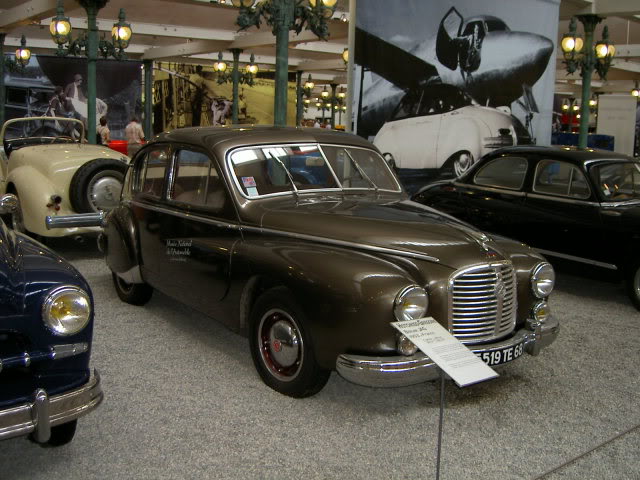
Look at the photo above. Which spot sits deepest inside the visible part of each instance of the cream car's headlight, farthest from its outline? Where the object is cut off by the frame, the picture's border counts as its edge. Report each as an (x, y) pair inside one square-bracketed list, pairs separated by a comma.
[(66, 310), (411, 303), (543, 279)]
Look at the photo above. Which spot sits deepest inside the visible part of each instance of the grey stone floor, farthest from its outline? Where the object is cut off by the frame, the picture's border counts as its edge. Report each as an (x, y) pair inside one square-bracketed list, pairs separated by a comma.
[(183, 401)]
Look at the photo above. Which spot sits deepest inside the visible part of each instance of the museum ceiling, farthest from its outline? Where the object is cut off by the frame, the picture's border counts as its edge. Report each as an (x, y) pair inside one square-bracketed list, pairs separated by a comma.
[(196, 30)]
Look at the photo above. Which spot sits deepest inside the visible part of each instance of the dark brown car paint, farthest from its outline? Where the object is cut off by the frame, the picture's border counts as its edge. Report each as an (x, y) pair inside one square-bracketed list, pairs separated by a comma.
[(347, 292)]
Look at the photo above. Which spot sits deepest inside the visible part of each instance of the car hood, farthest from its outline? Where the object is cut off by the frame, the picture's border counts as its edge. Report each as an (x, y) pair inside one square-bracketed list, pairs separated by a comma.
[(27, 269), (400, 227), (55, 158)]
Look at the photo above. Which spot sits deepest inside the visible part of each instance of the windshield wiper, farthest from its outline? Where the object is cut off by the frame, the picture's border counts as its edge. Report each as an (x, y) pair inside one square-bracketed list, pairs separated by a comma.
[(362, 172), (295, 190)]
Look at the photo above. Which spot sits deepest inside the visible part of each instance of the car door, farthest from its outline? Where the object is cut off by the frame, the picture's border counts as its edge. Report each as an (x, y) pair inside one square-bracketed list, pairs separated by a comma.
[(563, 212), (494, 195), (196, 229)]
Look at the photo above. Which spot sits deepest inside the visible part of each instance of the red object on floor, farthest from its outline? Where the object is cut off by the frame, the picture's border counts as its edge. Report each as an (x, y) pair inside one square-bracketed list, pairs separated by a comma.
[(119, 146)]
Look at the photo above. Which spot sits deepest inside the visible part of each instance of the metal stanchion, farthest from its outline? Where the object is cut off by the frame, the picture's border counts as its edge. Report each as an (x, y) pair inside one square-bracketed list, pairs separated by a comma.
[(441, 422)]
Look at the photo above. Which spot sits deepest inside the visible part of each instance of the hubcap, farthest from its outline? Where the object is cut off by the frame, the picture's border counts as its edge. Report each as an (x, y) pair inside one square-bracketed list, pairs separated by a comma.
[(280, 343), (462, 164), (104, 192)]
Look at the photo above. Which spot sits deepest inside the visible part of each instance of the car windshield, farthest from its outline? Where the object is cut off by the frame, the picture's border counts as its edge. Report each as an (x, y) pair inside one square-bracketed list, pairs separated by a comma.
[(618, 181), (283, 169), (22, 132)]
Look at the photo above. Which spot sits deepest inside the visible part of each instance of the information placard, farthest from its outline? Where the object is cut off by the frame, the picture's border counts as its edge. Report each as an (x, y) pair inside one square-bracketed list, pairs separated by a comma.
[(446, 351)]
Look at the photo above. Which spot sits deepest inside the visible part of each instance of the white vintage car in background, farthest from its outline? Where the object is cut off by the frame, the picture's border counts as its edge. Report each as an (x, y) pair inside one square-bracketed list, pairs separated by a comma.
[(439, 127), (52, 172)]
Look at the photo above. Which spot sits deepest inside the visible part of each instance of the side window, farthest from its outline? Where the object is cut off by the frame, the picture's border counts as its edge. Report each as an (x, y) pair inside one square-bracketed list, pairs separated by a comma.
[(560, 178), (150, 172), (196, 181), (503, 172), (17, 96)]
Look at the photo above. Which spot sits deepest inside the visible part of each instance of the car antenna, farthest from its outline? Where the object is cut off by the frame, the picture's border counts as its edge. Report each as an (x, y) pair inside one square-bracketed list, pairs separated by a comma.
[(295, 189)]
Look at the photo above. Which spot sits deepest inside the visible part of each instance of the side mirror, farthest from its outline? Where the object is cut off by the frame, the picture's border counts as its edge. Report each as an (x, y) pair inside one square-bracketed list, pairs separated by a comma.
[(8, 203)]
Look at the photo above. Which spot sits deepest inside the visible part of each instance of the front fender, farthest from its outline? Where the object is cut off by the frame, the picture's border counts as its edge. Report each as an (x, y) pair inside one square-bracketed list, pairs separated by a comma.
[(34, 191), (347, 295)]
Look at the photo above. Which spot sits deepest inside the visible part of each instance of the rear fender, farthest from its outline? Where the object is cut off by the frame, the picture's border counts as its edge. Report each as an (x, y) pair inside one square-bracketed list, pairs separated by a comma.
[(121, 245)]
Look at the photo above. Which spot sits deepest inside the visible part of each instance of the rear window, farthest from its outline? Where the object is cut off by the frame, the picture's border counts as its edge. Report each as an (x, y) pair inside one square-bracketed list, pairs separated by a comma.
[(504, 172)]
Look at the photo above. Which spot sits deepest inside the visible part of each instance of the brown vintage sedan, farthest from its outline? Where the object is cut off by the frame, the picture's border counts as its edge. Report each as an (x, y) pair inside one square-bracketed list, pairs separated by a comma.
[(303, 240)]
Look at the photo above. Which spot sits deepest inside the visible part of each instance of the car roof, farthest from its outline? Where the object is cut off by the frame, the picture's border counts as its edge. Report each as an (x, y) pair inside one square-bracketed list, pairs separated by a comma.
[(240, 136), (568, 153)]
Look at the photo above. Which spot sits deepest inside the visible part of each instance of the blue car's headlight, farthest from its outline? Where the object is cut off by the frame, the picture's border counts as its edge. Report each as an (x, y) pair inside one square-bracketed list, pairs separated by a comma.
[(66, 310)]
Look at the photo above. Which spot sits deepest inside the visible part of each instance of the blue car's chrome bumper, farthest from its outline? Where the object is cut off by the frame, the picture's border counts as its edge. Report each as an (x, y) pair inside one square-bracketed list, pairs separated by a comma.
[(44, 412)]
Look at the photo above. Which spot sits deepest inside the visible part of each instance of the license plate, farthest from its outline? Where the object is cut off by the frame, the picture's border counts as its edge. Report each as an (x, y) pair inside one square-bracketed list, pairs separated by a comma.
[(502, 355)]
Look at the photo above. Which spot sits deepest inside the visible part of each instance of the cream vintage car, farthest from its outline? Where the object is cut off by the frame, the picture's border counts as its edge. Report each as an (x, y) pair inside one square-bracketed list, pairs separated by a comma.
[(53, 173)]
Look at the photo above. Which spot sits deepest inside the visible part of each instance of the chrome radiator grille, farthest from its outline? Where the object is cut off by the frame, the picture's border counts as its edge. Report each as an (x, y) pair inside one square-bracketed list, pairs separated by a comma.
[(482, 302)]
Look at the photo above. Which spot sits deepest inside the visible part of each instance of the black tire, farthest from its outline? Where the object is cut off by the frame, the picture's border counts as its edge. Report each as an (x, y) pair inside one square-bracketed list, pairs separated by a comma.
[(281, 348), (97, 185), (61, 434), (632, 282), (133, 293)]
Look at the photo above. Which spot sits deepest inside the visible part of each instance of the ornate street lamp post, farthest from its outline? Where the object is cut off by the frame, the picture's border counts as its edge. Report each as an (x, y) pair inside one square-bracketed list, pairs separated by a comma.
[(283, 16), (23, 54), (235, 77), (582, 54), (89, 43)]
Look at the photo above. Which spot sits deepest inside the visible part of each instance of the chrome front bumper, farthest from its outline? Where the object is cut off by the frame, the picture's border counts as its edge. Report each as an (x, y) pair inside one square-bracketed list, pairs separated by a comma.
[(44, 412), (400, 371)]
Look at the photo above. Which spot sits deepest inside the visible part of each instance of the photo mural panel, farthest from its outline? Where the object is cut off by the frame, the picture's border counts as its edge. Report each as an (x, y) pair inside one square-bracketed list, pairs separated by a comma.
[(186, 95), (29, 92), (439, 84)]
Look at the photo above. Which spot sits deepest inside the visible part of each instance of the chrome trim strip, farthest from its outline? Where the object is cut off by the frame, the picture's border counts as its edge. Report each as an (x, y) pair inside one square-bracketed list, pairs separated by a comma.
[(298, 236), (402, 371), (189, 216), (515, 193), (48, 411), (68, 350), (551, 253), (78, 220), (559, 198), (342, 243)]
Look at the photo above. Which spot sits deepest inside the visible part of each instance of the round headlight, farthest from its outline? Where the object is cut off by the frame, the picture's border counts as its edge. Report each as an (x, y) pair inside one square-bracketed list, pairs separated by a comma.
[(405, 346), (66, 310), (411, 303), (543, 280), (541, 312)]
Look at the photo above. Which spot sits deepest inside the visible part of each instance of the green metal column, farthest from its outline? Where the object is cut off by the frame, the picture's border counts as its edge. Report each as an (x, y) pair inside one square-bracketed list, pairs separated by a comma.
[(235, 77), (92, 56), (589, 23), (283, 22), (148, 99), (334, 86), (2, 93), (299, 98)]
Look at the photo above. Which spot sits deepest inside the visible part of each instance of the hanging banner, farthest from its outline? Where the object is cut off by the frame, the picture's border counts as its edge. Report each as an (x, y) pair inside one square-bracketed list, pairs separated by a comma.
[(439, 84)]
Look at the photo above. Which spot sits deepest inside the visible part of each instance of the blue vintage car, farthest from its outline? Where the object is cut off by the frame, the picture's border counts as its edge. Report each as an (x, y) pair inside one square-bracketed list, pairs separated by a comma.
[(46, 325)]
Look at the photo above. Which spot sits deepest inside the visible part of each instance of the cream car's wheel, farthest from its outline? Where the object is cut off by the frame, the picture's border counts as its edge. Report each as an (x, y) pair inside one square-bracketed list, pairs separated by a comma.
[(97, 185), (281, 348)]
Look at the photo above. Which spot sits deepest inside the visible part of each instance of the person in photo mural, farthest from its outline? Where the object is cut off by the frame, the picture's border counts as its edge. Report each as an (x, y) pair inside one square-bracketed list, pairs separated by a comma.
[(135, 136), (103, 132)]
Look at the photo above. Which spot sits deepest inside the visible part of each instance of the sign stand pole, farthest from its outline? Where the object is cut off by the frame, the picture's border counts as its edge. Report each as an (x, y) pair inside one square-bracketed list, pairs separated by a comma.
[(441, 422)]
